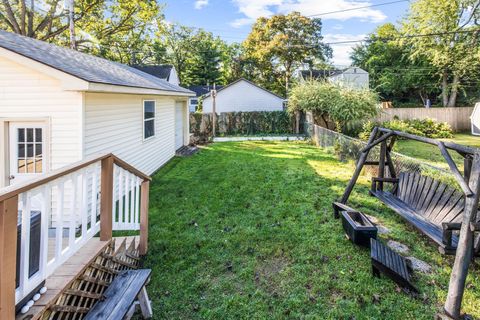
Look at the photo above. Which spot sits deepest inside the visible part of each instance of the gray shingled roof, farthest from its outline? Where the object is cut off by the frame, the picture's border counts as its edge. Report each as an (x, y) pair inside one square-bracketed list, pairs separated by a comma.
[(84, 66), (161, 71)]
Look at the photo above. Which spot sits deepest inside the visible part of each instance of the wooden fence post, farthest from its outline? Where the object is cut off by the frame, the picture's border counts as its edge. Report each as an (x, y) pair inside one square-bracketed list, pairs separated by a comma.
[(8, 254), (464, 253), (106, 199), (145, 189)]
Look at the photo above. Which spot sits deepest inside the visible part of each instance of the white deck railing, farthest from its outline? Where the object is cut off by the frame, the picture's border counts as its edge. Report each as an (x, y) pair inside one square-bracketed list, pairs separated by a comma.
[(58, 213)]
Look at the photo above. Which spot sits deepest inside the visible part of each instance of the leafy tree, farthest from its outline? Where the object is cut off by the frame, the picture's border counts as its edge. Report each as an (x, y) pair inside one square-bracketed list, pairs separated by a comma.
[(116, 29), (205, 61), (279, 45), (453, 42), (174, 45), (198, 55), (333, 103), (391, 71)]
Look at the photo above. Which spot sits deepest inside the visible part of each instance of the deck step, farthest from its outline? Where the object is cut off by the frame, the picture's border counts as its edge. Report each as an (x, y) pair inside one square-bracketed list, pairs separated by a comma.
[(65, 280)]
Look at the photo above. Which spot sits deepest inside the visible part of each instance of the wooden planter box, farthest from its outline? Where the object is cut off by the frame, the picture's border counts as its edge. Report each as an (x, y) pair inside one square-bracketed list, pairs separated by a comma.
[(358, 228)]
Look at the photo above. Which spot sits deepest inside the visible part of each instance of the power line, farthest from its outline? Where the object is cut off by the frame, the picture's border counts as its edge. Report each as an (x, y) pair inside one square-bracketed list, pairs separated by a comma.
[(356, 8)]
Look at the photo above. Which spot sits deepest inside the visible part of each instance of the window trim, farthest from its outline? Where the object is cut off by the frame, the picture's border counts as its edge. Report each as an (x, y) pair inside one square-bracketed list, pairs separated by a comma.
[(149, 119)]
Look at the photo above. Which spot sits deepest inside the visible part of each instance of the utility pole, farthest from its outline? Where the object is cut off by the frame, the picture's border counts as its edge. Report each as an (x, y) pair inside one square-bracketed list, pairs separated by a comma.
[(71, 21), (214, 110)]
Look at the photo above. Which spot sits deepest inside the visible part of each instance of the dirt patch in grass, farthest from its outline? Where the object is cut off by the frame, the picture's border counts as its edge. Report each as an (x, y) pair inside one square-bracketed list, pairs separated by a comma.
[(269, 275)]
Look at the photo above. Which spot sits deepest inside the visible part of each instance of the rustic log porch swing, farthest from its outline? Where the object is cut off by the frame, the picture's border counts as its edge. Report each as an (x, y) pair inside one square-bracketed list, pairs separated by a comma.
[(429, 205)]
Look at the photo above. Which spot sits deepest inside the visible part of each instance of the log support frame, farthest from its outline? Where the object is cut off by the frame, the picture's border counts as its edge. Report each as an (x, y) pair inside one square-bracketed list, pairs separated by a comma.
[(469, 182)]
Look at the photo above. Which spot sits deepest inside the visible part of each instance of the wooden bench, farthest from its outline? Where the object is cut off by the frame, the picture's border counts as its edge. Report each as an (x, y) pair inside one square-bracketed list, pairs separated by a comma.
[(391, 264), (119, 300), (432, 207)]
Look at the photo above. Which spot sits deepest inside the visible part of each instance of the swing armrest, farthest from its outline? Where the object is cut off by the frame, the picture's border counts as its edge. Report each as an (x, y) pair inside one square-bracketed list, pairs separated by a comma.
[(375, 181)]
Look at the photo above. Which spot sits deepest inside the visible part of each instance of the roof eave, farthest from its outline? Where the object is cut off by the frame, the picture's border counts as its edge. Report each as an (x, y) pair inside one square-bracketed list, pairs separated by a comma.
[(110, 88)]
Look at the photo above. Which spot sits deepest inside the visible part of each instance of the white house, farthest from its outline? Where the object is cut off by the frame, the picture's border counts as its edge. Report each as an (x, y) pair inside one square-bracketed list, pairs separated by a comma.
[(353, 76), (59, 106), (243, 95)]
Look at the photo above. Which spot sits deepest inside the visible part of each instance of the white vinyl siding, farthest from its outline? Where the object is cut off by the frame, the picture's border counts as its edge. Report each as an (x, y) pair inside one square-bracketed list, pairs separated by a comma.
[(114, 123), (27, 94)]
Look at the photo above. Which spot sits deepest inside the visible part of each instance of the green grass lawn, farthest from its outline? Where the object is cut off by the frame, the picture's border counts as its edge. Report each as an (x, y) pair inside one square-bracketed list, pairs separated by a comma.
[(431, 154), (245, 230)]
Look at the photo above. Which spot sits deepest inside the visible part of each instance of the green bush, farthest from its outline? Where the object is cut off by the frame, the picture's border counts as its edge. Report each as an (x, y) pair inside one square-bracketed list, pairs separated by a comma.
[(333, 103), (425, 128)]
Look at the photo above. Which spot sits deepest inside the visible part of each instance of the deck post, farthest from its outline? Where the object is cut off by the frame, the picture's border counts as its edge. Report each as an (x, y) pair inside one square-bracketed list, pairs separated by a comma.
[(144, 202), (8, 254), (464, 253), (106, 199)]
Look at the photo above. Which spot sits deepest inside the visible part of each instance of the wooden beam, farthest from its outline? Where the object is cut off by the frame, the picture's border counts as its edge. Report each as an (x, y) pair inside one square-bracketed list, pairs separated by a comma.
[(8, 254), (106, 199), (144, 203), (467, 167), (449, 145), (358, 169), (381, 166), (372, 144), (456, 173), (464, 253)]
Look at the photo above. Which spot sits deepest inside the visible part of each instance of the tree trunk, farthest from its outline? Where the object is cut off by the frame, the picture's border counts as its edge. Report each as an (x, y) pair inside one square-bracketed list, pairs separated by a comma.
[(454, 92), (445, 88)]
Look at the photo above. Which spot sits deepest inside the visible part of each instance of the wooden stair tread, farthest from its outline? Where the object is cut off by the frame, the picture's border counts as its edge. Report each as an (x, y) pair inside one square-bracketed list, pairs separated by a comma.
[(64, 276)]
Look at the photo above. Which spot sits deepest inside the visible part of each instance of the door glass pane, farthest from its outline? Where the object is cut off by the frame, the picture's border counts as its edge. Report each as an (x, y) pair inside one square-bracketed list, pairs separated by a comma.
[(38, 150), (38, 165), (30, 165), (30, 135), (38, 135), (21, 135), (21, 165), (29, 150), (21, 150)]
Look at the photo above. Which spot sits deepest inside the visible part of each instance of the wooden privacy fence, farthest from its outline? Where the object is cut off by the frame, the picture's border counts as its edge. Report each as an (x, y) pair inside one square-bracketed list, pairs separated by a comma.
[(73, 204), (458, 118)]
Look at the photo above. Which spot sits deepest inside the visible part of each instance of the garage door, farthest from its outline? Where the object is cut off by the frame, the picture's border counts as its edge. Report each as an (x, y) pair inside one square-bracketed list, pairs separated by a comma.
[(179, 126)]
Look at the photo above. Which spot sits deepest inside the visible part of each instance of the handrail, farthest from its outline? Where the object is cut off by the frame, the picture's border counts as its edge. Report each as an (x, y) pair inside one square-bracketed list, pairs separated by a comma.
[(11, 191)]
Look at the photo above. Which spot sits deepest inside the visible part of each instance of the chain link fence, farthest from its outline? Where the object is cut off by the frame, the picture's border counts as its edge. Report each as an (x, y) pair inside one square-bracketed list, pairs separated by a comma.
[(348, 148)]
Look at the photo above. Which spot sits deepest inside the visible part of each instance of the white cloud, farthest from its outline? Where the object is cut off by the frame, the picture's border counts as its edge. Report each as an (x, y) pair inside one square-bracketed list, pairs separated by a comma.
[(341, 51), (253, 9), (200, 4)]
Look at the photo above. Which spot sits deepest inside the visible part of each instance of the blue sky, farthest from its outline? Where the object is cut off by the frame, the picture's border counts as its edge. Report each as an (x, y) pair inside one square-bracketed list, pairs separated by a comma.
[(232, 19)]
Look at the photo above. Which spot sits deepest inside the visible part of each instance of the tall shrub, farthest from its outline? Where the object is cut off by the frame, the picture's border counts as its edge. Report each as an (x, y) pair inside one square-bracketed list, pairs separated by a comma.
[(336, 105)]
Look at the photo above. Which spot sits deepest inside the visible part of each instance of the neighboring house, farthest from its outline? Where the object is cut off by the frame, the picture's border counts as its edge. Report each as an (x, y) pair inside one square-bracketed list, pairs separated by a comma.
[(352, 76), (199, 92), (243, 96), (59, 106), (163, 71)]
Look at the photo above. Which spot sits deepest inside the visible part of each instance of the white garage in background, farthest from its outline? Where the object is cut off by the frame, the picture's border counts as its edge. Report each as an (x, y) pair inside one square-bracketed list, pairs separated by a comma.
[(59, 106), (243, 96)]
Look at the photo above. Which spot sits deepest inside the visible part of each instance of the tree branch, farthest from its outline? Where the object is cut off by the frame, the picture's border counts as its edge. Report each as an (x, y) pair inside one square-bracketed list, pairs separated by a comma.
[(11, 16)]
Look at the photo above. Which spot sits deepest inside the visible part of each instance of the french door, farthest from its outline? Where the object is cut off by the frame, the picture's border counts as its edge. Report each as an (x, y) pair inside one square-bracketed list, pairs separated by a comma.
[(28, 156)]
